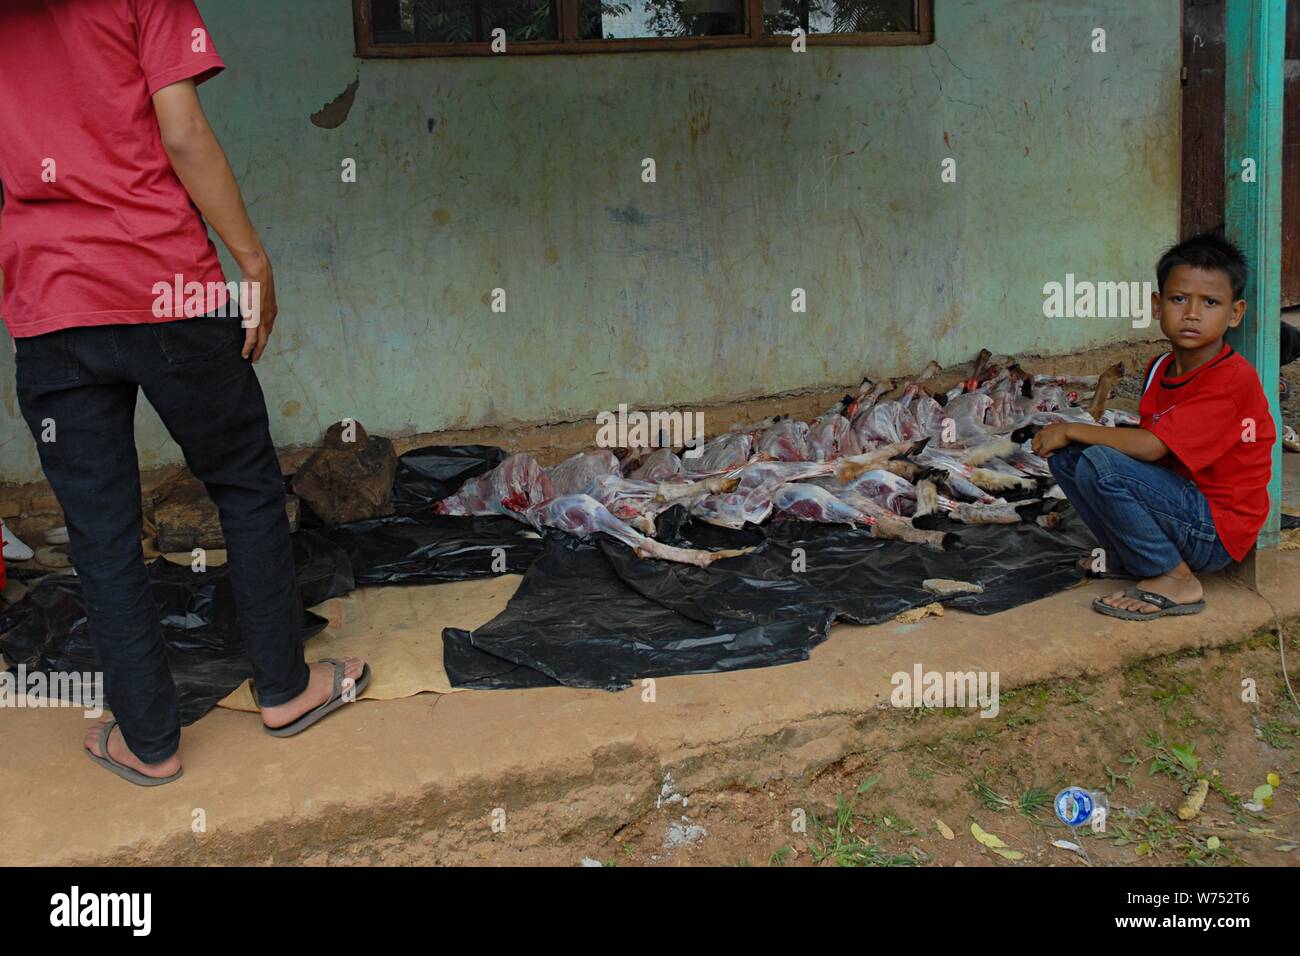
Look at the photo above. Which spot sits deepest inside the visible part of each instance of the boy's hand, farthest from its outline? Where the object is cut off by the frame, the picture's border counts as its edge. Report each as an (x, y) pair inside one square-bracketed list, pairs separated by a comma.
[(1052, 437)]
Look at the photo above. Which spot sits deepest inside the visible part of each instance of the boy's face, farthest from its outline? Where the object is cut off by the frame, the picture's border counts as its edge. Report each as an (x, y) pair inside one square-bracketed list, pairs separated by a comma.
[(1196, 307)]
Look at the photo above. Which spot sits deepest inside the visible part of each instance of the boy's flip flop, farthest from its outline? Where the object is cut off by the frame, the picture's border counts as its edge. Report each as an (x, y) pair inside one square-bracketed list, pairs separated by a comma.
[(121, 769), (1167, 606), (336, 700)]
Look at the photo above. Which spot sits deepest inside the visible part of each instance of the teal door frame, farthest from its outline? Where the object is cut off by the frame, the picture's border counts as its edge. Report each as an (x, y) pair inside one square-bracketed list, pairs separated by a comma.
[(1256, 31)]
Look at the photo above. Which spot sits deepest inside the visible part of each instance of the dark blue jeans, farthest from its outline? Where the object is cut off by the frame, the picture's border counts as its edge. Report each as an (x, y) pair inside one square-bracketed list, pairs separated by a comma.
[(77, 390), (1148, 518)]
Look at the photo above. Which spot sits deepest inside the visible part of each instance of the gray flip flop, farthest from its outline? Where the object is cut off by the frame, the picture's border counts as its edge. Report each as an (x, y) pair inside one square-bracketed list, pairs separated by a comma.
[(336, 700), (122, 770), (1168, 606)]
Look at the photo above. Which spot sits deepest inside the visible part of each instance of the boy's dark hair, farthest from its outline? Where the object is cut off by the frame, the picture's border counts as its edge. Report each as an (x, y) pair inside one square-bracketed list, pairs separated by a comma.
[(1209, 250)]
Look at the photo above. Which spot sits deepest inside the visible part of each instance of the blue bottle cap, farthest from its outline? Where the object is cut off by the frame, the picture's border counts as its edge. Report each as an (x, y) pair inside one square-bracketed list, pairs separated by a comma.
[(1074, 806)]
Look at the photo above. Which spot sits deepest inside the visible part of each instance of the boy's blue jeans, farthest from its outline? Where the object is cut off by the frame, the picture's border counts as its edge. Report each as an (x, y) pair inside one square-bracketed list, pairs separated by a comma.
[(1148, 518), (77, 390)]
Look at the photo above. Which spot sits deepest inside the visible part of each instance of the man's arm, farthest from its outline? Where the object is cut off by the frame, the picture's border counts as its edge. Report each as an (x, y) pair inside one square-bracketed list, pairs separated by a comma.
[(1135, 442), (201, 165)]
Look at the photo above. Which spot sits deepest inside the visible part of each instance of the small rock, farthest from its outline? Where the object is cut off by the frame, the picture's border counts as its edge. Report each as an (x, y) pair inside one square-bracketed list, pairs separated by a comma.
[(915, 614), (946, 586), (345, 435), (588, 861), (348, 480)]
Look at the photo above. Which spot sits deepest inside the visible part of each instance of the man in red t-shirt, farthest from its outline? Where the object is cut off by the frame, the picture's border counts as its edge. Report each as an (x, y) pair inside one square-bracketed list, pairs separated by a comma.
[(108, 168), (1187, 490)]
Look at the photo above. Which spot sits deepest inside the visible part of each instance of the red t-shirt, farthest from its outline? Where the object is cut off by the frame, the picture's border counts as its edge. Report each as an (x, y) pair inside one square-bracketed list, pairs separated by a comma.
[(94, 217), (1205, 418)]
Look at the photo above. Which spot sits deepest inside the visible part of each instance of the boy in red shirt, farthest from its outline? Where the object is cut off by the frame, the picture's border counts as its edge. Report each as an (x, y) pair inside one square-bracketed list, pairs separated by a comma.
[(1187, 490), (108, 168)]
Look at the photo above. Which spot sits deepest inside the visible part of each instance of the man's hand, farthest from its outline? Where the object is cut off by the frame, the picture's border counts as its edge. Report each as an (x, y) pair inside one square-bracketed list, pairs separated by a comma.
[(1052, 437), (258, 310), (201, 166)]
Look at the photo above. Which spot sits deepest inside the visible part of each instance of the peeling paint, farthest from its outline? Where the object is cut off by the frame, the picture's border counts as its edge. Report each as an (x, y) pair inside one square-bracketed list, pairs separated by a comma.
[(333, 114)]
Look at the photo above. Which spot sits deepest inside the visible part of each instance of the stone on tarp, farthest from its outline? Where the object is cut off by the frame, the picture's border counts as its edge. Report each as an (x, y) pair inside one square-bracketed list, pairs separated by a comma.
[(945, 587), (187, 518), (351, 477)]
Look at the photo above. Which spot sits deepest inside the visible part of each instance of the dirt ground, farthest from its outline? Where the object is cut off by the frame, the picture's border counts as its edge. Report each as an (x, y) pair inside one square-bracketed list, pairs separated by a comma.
[(1144, 736)]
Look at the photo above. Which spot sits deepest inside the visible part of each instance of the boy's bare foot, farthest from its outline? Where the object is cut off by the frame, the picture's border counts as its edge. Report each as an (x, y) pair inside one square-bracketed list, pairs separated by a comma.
[(119, 751), (1178, 585), (319, 687)]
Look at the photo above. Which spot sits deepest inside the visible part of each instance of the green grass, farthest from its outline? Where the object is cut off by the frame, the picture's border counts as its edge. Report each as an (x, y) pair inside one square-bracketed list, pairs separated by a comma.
[(1030, 801), (1277, 734), (840, 842)]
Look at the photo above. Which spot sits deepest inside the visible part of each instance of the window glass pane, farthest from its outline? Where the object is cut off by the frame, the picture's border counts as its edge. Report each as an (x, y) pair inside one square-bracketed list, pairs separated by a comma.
[(462, 21), (635, 19), (839, 16)]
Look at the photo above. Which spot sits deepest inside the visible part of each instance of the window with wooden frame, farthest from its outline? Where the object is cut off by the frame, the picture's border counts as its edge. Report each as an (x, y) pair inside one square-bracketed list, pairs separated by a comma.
[(409, 28)]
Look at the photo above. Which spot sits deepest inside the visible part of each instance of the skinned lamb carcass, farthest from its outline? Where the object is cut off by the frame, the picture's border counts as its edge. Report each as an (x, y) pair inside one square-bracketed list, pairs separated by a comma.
[(808, 502), (662, 464), (888, 490), (583, 515), (725, 452), (751, 501), (787, 440), (804, 502), (886, 421), (511, 488), (572, 475), (831, 437)]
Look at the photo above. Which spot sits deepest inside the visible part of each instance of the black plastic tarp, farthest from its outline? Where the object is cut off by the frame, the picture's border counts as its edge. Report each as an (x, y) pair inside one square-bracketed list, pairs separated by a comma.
[(429, 474), (47, 630), (427, 548), (574, 621), (595, 615)]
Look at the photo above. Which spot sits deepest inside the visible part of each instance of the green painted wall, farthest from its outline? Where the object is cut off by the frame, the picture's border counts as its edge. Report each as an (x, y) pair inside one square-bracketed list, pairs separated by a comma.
[(775, 170)]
